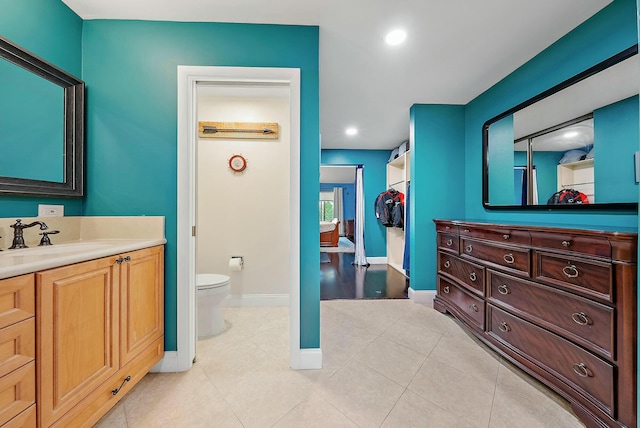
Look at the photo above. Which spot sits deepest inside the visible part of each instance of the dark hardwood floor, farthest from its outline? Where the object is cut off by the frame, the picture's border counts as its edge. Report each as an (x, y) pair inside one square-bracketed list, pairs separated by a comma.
[(339, 279)]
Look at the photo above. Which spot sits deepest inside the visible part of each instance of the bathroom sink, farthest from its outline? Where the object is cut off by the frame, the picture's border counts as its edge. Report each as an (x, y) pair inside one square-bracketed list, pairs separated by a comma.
[(59, 249)]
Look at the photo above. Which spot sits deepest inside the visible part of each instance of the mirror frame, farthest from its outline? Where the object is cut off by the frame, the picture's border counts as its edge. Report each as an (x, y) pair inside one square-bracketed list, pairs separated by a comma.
[(618, 206), (74, 131)]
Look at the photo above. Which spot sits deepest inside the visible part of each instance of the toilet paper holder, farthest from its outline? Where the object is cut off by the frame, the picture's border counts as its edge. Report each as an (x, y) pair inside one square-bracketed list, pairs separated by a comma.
[(236, 263)]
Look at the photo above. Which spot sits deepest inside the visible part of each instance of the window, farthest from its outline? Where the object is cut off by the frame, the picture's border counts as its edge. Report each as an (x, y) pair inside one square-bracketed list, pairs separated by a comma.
[(326, 206)]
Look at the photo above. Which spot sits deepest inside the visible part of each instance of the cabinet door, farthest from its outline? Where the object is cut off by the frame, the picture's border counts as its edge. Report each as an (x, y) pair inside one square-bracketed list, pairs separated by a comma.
[(142, 301), (77, 333)]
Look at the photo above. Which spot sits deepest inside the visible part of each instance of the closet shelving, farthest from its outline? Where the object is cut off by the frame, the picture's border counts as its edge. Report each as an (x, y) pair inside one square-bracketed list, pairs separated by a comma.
[(579, 176), (397, 178)]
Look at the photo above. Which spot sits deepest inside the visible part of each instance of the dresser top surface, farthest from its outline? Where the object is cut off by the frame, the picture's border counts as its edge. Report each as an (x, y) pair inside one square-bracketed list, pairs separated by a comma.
[(609, 230)]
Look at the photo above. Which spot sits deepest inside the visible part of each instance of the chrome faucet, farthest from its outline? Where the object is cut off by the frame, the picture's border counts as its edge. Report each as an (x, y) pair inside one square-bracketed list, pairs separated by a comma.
[(18, 227)]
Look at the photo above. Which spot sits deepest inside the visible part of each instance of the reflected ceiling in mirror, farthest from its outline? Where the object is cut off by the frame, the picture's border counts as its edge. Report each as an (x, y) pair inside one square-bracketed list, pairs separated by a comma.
[(576, 140)]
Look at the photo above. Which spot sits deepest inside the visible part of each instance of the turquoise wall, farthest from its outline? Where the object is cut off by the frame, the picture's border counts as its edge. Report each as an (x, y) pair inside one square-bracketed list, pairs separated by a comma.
[(546, 164), (610, 31), (375, 181), (437, 183), (616, 138), (52, 31), (130, 69), (501, 161)]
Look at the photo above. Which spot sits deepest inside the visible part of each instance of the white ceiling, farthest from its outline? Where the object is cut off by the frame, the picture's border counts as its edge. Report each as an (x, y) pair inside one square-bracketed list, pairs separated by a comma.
[(455, 49)]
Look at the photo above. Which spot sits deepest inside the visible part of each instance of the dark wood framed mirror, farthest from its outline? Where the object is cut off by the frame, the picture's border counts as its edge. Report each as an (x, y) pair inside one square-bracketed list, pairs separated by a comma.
[(578, 138), (41, 126)]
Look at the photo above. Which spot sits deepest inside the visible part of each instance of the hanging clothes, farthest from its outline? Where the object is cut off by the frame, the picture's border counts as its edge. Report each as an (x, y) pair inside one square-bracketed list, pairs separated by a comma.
[(406, 260)]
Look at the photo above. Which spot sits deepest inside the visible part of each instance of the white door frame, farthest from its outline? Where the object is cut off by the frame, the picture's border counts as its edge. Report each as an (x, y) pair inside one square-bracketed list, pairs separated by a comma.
[(188, 77)]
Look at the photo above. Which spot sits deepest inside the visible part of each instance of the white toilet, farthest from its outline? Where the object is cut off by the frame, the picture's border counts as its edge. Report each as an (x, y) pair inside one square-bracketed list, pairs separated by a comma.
[(212, 289)]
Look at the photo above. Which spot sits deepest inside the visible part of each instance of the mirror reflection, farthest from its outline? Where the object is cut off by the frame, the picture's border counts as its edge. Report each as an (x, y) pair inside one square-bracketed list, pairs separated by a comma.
[(573, 147)]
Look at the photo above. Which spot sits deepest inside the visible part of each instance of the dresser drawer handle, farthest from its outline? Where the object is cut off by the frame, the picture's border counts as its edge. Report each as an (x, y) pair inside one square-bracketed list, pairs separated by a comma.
[(447, 228), (503, 289), (506, 236), (469, 248), (566, 243), (504, 327), (508, 258), (449, 242), (581, 318), (570, 271), (581, 370), (446, 289), (474, 307), (447, 264), (465, 230), (473, 276)]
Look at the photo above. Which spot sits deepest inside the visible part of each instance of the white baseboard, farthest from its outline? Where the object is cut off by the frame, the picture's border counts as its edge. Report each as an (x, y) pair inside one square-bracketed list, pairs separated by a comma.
[(168, 364), (264, 300), (307, 359), (377, 260), (422, 296)]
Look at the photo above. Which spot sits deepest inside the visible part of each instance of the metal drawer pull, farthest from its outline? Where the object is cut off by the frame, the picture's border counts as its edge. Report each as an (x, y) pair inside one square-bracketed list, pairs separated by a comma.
[(566, 243), (474, 307), (506, 236), (447, 264), (504, 327), (580, 318), (449, 242), (115, 391), (581, 370), (446, 289), (570, 271), (503, 289), (465, 230), (469, 248), (447, 227), (509, 258), (473, 276)]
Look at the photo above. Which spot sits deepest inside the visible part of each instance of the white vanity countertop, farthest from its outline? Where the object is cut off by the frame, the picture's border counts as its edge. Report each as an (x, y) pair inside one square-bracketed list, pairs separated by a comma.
[(34, 259)]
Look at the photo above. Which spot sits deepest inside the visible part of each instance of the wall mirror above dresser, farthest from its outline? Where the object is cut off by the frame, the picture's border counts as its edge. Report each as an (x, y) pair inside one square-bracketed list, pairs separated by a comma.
[(570, 147), (41, 126)]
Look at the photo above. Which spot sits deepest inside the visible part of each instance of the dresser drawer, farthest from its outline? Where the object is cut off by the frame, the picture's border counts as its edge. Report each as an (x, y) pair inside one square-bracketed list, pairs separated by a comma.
[(502, 235), (17, 392), (592, 245), (583, 276), (17, 345), (511, 259), (470, 307), (584, 321), (573, 365), (470, 275), (446, 227), (448, 242), (17, 299)]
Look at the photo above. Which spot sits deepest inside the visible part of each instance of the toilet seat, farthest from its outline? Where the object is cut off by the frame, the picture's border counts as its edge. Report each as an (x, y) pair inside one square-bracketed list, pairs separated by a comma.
[(205, 281)]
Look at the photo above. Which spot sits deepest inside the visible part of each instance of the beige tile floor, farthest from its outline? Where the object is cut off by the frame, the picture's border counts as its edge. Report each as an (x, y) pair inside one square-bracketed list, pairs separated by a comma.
[(387, 363)]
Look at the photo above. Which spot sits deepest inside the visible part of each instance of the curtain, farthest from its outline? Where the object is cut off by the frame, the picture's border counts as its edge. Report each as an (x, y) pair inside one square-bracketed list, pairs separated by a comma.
[(534, 186), (338, 208), (360, 258)]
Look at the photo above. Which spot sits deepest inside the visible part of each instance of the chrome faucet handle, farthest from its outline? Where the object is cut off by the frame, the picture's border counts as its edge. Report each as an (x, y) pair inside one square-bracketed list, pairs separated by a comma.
[(45, 237)]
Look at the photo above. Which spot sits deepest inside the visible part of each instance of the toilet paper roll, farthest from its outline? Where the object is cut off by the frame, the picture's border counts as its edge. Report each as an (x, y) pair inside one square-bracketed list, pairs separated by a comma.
[(235, 264)]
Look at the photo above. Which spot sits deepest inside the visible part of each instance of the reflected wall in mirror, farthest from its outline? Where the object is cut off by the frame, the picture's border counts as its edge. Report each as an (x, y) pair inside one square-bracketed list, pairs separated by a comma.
[(41, 126), (571, 147)]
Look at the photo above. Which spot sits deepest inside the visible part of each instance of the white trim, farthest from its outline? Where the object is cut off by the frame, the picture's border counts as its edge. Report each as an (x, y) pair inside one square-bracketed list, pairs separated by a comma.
[(310, 359), (264, 300), (168, 364), (377, 260), (188, 76), (422, 296)]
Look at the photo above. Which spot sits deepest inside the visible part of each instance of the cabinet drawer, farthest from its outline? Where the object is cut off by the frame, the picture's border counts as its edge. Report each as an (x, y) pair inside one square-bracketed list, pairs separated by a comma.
[(593, 245), (468, 274), (583, 276), (446, 227), (582, 320), (514, 260), (17, 299), (470, 307), (448, 242), (17, 392), (17, 345), (573, 365), (26, 419), (503, 235)]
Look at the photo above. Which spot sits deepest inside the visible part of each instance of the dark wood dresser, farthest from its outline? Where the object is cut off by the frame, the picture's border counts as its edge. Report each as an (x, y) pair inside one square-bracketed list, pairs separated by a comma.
[(559, 303)]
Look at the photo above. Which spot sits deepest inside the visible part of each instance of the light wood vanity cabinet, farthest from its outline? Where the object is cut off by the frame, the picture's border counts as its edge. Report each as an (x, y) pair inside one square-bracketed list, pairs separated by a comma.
[(100, 329), (559, 303)]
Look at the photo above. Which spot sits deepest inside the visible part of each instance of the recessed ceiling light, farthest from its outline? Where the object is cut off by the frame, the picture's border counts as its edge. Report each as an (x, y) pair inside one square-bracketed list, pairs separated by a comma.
[(570, 134), (352, 130), (395, 37)]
